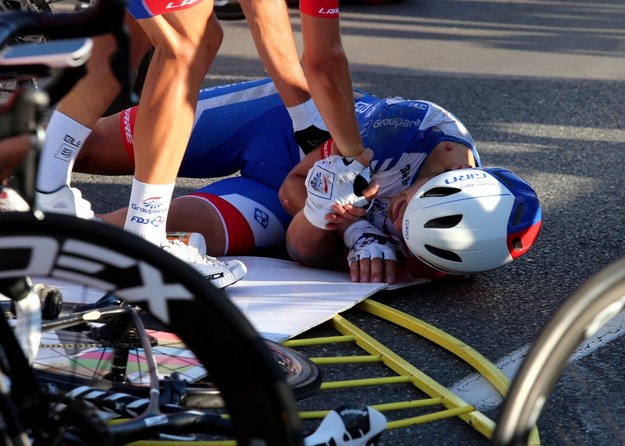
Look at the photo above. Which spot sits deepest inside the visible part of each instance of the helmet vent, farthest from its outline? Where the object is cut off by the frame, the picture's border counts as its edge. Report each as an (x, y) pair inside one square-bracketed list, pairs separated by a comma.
[(441, 192), (504, 179), (444, 254), (518, 215), (449, 221)]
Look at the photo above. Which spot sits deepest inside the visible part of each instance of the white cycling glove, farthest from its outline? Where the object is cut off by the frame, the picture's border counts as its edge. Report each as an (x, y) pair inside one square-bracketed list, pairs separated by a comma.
[(365, 241), (334, 180)]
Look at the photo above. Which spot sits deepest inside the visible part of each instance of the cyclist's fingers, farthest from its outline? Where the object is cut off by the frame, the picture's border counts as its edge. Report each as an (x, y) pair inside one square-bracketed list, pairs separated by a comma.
[(360, 270), (377, 270), (365, 270), (390, 271), (354, 271)]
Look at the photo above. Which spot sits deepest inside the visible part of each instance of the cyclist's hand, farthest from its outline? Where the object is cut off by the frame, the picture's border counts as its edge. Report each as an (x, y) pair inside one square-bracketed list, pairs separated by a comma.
[(372, 255), (335, 181), (347, 214)]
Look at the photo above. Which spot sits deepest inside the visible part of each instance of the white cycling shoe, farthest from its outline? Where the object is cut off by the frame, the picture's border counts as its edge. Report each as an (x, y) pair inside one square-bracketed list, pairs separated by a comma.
[(349, 425), (68, 200), (220, 273), (11, 201), (65, 200)]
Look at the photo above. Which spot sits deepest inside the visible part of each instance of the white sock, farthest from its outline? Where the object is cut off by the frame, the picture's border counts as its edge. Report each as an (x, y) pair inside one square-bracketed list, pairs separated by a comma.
[(147, 210), (64, 138), (304, 115)]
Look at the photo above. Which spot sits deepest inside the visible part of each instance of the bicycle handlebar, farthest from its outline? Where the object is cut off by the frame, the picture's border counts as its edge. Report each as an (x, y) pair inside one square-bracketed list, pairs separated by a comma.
[(103, 17)]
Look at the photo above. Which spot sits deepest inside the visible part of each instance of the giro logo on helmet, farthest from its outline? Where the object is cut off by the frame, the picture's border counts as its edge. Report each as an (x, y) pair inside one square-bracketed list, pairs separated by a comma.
[(470, 176)]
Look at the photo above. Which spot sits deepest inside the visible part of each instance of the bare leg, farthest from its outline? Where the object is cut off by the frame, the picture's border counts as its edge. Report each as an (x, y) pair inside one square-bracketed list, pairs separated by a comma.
[(184, 48), (184, 51), (104, 152), (12, 152), (82, 104), (187, 214), (71, 124), (271, 30), (193, 214)]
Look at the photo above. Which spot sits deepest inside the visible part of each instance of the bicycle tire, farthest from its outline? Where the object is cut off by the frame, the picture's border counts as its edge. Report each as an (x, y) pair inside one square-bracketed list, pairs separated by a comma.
[(301, 374), (581, 315), (259, 403)]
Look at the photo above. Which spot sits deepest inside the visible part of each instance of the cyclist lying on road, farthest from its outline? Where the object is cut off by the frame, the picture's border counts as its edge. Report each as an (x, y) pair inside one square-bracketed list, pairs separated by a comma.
[(250, 131)]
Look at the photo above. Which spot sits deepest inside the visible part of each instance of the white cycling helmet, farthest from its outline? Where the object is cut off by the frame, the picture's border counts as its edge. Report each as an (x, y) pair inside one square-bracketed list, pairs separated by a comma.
[(472, 220)]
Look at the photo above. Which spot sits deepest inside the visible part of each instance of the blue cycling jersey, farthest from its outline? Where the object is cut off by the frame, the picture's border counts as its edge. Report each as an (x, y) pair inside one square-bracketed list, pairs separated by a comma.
[(244, 128)]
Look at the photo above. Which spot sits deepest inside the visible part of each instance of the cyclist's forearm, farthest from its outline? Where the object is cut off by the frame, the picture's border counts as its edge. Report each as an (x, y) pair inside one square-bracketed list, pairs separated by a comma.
[(270, 26), (327, 71), (314, 247)]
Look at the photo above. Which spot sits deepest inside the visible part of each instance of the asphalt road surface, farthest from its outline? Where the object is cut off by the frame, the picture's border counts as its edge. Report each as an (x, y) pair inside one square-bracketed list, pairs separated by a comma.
[(540, 85)]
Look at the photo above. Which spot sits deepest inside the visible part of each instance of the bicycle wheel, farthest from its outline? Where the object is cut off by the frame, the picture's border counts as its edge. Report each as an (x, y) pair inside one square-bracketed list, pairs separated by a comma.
[(73, 351), (101, 257), (301, 375), (581, 316)]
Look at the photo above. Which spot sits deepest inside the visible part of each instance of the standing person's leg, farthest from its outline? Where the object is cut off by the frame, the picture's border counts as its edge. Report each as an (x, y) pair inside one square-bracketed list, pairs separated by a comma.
[(185, 43), (181, 59), (72, 121), (183, 52)]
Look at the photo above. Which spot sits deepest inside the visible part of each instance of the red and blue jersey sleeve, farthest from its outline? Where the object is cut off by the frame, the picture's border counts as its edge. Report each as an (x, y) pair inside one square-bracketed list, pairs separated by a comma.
[(328, 9), (144, 9)]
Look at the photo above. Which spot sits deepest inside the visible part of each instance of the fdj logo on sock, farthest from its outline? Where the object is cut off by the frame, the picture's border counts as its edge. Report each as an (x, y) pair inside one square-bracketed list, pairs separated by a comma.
[(156, 222)]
